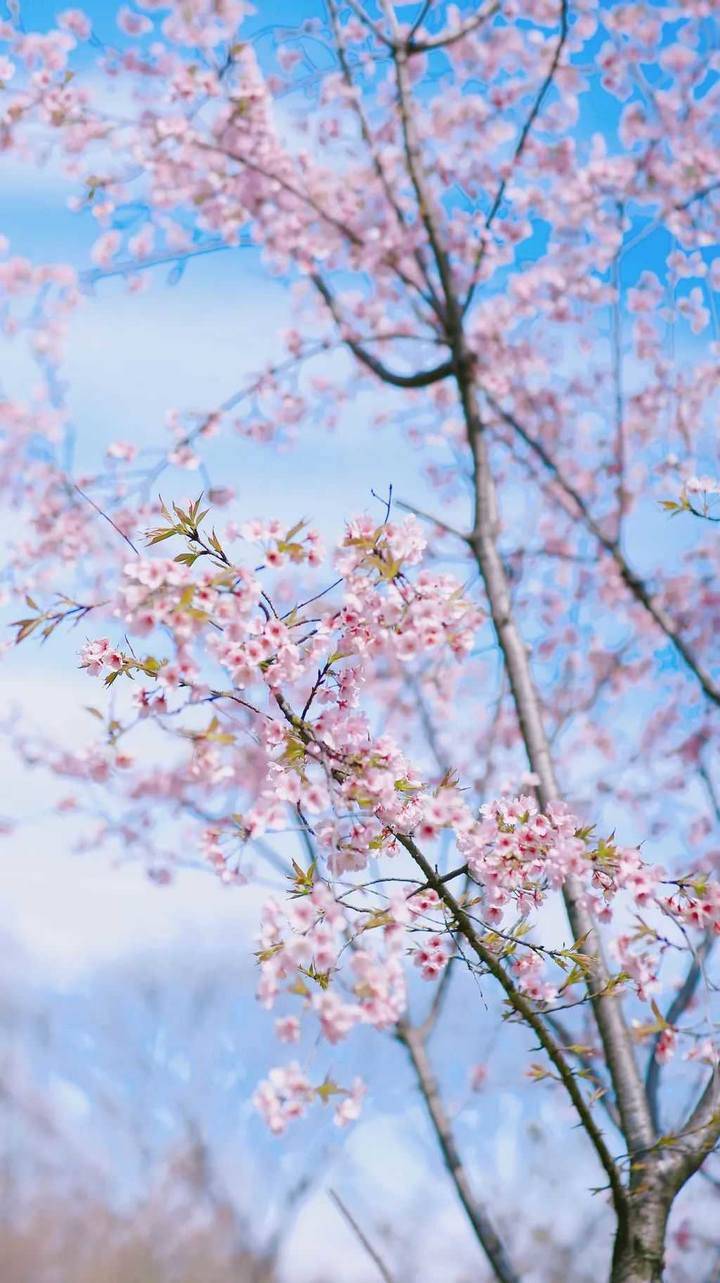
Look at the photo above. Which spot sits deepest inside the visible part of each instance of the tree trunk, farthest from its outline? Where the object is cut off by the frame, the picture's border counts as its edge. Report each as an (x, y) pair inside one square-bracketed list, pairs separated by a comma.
[(639, 1252)]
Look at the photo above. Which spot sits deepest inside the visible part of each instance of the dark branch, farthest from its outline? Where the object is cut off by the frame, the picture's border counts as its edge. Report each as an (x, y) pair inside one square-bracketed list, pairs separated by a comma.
[(422, 379)]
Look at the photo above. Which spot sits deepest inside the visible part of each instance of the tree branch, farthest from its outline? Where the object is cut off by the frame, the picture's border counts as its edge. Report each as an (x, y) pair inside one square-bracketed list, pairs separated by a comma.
[(368, 22), (415, 169), (422, 379), (427, 6), (520, 145), (532, 1018), (356, 102), (631, 580), (616, 356), (451, 37), (619, 1052), (483, 1227), (678, 1006), (428, 516), (584, 1060), (700, 1133), (305, 198), (627, 1084), (362, 1238)]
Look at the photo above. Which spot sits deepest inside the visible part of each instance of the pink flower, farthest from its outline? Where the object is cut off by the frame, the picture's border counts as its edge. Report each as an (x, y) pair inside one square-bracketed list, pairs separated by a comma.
[(93, 656), (184, 457), (287, 1029), (348, 1110), (124, 450), (283, 1096), (141, 244), (133, 24), (75, 21), (666, 1046), (105, 248)]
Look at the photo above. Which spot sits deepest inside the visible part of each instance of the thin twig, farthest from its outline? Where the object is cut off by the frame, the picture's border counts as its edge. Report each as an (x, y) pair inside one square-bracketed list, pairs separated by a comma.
[(583, 1059), (447, 38), (617, 375), (677, 1007), (108, 518), (520, 145), (361, 1237), (632, 581), (428, 516), (421, 379), (414, 1041)]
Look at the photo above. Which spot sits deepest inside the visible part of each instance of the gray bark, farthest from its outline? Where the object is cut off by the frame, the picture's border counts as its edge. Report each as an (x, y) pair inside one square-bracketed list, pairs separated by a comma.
[(639, 1251)]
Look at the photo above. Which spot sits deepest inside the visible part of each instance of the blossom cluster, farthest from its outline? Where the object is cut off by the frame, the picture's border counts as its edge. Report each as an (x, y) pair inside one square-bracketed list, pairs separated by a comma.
[(302, 944), (287, 1092)]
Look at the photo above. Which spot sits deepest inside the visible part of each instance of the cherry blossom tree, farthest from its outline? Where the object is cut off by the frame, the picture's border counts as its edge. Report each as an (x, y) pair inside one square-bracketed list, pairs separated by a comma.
[(496, 223)]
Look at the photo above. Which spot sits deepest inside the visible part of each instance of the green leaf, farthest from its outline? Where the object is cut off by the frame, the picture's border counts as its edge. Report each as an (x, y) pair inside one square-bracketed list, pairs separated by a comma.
[(157, 536), (327, 1089), (25, 627), (295, 530)]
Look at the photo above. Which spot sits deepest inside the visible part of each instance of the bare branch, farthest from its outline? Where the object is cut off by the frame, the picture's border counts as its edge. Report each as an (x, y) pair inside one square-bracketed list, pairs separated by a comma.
[(583, 1059), (368, 22), (678, 1006), (484, 1229), (415, 169), (132, 266), (710, 789), (357, 105), (700, 1133), (428, 516), (447, 38), (619, 399), (427, 6), (631, 580), (362, 1238), (109, 519), (522, 140), (422, 379)]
